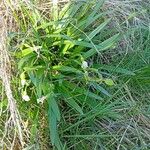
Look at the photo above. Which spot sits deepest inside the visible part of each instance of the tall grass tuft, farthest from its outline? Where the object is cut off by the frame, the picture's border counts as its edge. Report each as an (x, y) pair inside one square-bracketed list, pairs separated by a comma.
[(81, 69), (54, 52)]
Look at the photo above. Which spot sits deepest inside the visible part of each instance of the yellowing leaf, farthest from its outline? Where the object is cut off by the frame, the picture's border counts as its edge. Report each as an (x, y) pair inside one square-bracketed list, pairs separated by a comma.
[(22, 76), (109, 82)]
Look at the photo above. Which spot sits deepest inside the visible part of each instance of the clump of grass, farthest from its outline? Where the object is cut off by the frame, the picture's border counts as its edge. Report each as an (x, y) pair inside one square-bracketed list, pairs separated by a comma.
[(54, 58), (67, 60)]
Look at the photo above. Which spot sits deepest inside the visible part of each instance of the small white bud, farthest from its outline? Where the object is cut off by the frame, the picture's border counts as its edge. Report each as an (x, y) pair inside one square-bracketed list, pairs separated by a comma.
[(25, 96), (23, 82), (84, 65), (41, 100)]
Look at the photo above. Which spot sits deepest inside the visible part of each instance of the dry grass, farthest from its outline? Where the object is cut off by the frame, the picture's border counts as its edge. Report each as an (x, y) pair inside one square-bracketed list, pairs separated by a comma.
[(13, 134)]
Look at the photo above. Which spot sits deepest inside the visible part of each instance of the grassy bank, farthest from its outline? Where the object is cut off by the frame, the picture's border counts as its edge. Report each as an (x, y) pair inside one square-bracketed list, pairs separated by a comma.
[(80, 75)]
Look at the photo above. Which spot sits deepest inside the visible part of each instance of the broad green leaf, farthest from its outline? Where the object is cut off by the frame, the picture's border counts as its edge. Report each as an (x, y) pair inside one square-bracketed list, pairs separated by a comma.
[(52, 125), (24, 52), (52, 118), (54, 106), (33, 68), (58, 143), (66, 69)]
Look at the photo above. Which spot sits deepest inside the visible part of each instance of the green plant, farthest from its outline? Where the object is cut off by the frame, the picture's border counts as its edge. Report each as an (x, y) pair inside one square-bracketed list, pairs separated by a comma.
[(54, 57), (61, 65)]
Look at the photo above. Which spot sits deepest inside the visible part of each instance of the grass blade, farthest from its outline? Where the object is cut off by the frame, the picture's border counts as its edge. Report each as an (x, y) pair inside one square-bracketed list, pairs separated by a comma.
[(66, 69), (97, 30), (102, 46), (100, 89), (114, 69)]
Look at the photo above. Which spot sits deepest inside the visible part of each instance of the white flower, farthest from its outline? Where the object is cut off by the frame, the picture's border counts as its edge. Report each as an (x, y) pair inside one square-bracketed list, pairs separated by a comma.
[(41, 100), (25, 96), (23, 82), (84, 65)]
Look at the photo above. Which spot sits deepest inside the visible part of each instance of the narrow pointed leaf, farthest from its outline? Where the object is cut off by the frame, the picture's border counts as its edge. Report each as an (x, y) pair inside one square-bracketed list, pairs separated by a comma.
[(70, 100), (97, 30), (102, 46), (114, 69), (52, 125), (101, 89), (66, 69)]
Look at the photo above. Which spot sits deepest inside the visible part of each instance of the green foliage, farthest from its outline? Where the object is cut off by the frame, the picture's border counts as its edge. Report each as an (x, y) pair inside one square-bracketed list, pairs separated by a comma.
[(54, 57), (88, 91)]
